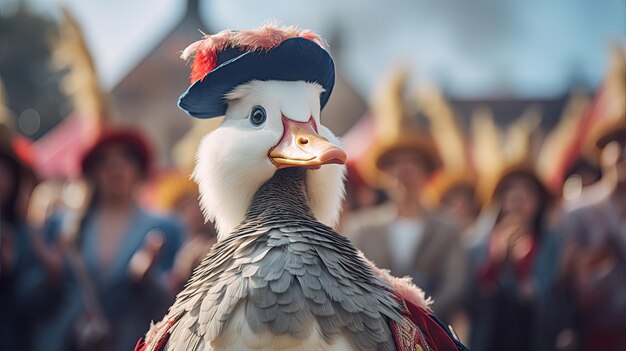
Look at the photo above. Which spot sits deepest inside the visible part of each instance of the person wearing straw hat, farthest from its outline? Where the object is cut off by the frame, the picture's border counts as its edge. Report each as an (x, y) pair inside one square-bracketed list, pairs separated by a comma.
[(410, 240), (594, 257)]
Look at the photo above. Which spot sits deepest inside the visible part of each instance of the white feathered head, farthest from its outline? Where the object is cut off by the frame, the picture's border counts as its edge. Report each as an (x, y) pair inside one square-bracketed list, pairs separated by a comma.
[(272, 120)]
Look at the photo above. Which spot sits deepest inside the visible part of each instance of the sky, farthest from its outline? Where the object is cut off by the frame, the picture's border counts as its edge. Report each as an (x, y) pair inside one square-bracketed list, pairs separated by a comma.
[(472, 49)]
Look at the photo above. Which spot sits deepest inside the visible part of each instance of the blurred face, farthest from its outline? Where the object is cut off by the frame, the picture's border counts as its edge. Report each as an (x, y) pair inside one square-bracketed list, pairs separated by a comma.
[(460, 204), (520, 196), (117, 172), (614, 158), (407, 173)]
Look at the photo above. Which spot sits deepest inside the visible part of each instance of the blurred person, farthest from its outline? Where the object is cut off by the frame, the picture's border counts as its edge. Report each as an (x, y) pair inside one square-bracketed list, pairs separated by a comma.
[(178, 194), (555, 320), (116, 255), (457, 198), (594, 259), (23, 277), (503, 291), (412, 241)]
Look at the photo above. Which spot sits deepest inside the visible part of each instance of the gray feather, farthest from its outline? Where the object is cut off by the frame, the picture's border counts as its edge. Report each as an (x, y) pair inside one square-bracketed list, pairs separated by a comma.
[(289, 271)]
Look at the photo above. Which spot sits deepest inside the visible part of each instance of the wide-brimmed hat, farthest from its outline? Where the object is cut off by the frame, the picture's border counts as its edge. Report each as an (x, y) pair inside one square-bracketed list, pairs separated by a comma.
[(396, 130), (419, 144), (375, 158), (129, 137), (227, 59)]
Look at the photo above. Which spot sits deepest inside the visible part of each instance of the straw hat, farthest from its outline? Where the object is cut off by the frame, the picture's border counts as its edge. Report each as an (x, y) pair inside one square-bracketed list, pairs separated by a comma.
[(396, 131)]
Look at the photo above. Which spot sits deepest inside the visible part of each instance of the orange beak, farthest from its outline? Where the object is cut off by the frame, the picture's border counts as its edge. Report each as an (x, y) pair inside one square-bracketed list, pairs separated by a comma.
[(302, 146)]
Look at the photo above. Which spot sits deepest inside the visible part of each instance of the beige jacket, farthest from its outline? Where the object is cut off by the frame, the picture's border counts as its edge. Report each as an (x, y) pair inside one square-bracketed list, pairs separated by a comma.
[(439, 266)]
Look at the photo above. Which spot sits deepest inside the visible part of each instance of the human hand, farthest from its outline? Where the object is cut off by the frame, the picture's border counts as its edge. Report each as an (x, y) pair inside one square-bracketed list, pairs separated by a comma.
[(146, 257)]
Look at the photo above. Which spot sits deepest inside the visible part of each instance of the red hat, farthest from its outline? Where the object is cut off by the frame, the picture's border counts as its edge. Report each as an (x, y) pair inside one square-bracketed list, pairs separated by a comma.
[(129, 137)]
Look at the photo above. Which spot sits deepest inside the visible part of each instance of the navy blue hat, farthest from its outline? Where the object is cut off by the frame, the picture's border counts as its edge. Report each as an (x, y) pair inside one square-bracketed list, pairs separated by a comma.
[(294, 59)]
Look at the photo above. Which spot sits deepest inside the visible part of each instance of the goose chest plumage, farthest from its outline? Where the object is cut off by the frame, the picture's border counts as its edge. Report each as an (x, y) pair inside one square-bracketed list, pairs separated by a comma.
[(271, 177), (288, 276)]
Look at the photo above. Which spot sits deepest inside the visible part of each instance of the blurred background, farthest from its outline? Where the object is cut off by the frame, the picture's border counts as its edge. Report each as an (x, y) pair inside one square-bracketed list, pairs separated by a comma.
[(486, 144)]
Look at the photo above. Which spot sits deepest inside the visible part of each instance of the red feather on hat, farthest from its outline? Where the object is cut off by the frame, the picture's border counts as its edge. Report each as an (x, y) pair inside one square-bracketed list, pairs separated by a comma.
[(267, 37)]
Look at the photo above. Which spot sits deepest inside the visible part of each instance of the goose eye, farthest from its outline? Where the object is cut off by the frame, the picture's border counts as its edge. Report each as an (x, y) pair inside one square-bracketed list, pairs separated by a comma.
[(257, 116)]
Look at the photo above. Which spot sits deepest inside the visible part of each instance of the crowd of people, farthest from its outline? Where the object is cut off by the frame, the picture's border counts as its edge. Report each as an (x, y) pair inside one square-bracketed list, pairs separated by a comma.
[(94, 277), (520, 270)]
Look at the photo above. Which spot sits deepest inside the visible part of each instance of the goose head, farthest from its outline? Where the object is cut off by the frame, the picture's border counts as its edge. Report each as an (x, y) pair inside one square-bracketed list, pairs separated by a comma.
[(268, 125)]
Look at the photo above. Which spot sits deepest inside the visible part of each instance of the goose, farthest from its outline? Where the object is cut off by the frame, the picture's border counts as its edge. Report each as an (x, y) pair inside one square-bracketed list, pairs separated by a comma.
[(271, 178)]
